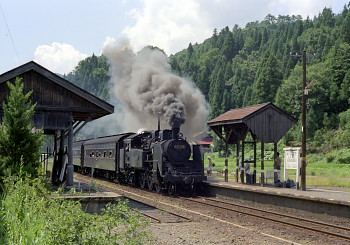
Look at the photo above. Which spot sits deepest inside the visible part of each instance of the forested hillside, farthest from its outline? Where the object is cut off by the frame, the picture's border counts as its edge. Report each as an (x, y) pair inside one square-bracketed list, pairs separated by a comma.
[(242, 66), (92, 75)]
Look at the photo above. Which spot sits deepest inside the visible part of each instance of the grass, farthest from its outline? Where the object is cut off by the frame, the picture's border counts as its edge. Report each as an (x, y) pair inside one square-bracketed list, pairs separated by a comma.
[(331, 169)]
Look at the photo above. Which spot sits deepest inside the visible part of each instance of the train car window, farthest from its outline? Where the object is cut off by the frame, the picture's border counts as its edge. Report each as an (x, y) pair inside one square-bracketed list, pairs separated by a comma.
[(110, 154), (104, 154), (92, 154)]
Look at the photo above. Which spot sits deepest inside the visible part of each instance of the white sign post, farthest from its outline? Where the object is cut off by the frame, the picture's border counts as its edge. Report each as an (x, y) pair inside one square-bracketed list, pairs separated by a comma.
[(292, 160)]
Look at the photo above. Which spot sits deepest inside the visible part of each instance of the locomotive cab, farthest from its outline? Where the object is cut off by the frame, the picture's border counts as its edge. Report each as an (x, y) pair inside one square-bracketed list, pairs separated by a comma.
[(136, 150)]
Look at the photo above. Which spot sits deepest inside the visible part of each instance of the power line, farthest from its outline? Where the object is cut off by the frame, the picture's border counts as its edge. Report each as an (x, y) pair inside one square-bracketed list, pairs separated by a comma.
[(8, 30)]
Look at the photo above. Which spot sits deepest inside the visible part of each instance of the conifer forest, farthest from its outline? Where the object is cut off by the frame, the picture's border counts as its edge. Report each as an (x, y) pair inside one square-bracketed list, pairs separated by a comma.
[(242, 66)]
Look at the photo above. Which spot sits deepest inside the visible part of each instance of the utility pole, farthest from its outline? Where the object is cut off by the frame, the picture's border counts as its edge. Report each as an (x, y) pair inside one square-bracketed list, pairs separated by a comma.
[(303, 128), (303, 122)]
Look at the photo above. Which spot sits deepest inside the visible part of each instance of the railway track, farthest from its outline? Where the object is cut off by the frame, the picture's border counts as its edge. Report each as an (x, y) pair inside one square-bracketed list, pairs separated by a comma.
[(168, 215), (285, 219), (140, 203), (156, 214)]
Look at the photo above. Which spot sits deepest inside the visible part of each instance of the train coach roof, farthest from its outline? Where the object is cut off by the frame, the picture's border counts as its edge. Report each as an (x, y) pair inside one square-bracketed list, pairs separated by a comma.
[(107, 139)]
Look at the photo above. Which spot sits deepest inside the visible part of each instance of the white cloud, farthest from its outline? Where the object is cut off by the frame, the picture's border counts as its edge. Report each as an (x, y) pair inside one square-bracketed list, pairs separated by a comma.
[(59, 57), (172, 25), (167, 24)]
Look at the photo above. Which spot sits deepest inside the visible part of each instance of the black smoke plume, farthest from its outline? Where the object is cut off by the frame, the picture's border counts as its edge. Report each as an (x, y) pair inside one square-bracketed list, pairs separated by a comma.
[(146, 89)]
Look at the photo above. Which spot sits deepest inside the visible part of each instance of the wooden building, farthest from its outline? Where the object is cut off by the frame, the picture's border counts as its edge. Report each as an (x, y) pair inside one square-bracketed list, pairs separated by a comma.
[(265, 122), (62, 109), (205, 140)]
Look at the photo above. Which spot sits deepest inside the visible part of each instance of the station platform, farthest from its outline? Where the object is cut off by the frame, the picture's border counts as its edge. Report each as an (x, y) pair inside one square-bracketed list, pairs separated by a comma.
[(333, 201)]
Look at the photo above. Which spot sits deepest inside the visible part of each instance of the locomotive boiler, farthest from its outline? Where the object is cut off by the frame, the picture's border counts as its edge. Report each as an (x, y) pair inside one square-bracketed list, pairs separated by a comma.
[(161, 160)]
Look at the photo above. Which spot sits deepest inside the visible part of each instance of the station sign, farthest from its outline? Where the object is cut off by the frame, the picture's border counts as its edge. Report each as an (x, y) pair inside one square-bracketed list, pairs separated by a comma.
[(292, 160)]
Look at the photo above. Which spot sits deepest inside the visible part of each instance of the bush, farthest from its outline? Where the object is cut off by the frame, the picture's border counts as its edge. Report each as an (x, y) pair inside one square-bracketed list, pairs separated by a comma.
[(29, 216), (344, 160), (330, 157), (344, 120)]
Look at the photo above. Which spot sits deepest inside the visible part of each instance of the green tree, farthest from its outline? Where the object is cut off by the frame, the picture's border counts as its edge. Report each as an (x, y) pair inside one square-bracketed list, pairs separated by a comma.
[(326, 18), (216, 91), (268, 79), (344, 28), (338, 63), (228, 47), (92, 75), (289, 94), (19, 146)]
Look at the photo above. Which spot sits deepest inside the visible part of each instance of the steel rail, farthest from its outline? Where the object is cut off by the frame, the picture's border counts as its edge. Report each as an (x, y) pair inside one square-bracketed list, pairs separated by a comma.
[(271, 219), (147, 215), (283, 215), (106, 187)]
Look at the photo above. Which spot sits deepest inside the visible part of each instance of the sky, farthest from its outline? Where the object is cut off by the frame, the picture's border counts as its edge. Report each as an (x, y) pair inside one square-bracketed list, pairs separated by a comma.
[(57, 34)]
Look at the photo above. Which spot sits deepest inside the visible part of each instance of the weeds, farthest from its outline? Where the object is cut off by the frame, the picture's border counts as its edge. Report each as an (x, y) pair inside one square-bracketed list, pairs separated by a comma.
[(29, 216)]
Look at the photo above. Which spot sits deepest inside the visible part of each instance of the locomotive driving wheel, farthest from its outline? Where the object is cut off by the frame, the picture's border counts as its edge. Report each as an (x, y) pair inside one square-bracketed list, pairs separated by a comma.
[(142, 180), (158, 188), (171, 189), (150, 183)]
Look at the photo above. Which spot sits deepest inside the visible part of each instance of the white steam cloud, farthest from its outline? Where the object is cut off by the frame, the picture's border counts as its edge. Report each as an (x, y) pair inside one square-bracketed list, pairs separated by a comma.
[(146, 88)]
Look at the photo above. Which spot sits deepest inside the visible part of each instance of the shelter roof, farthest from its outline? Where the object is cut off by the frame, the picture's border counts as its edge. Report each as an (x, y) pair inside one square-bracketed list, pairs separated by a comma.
[(54, 93), (265, 121), (206, 141)]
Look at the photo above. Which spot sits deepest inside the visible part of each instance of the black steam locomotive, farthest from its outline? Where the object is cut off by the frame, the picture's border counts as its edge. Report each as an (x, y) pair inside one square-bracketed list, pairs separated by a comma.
[(158, 160)]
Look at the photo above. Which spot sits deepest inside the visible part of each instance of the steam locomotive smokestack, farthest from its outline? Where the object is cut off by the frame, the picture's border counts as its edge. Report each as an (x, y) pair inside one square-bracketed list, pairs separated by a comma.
[(175, 129), (158, 122)]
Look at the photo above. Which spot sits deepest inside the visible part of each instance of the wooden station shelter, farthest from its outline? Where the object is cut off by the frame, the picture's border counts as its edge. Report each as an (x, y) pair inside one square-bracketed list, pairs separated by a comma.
[(265, 122), (62, 110)]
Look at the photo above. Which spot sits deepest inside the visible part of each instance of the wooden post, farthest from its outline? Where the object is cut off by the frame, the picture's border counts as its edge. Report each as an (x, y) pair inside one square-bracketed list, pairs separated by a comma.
[(54, 173), (70, 167), (226, 161), (303, 128), (237, 162), (242, 166), (275, 175), (254, 174), (262, 183), (61, 167)]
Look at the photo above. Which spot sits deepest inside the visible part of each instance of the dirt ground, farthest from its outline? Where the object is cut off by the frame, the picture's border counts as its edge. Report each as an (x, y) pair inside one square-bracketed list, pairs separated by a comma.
[(208, 233)]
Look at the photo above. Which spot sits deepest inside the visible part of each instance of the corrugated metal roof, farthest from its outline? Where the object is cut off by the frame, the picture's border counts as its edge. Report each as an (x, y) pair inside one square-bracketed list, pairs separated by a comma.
[(237, 114)]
